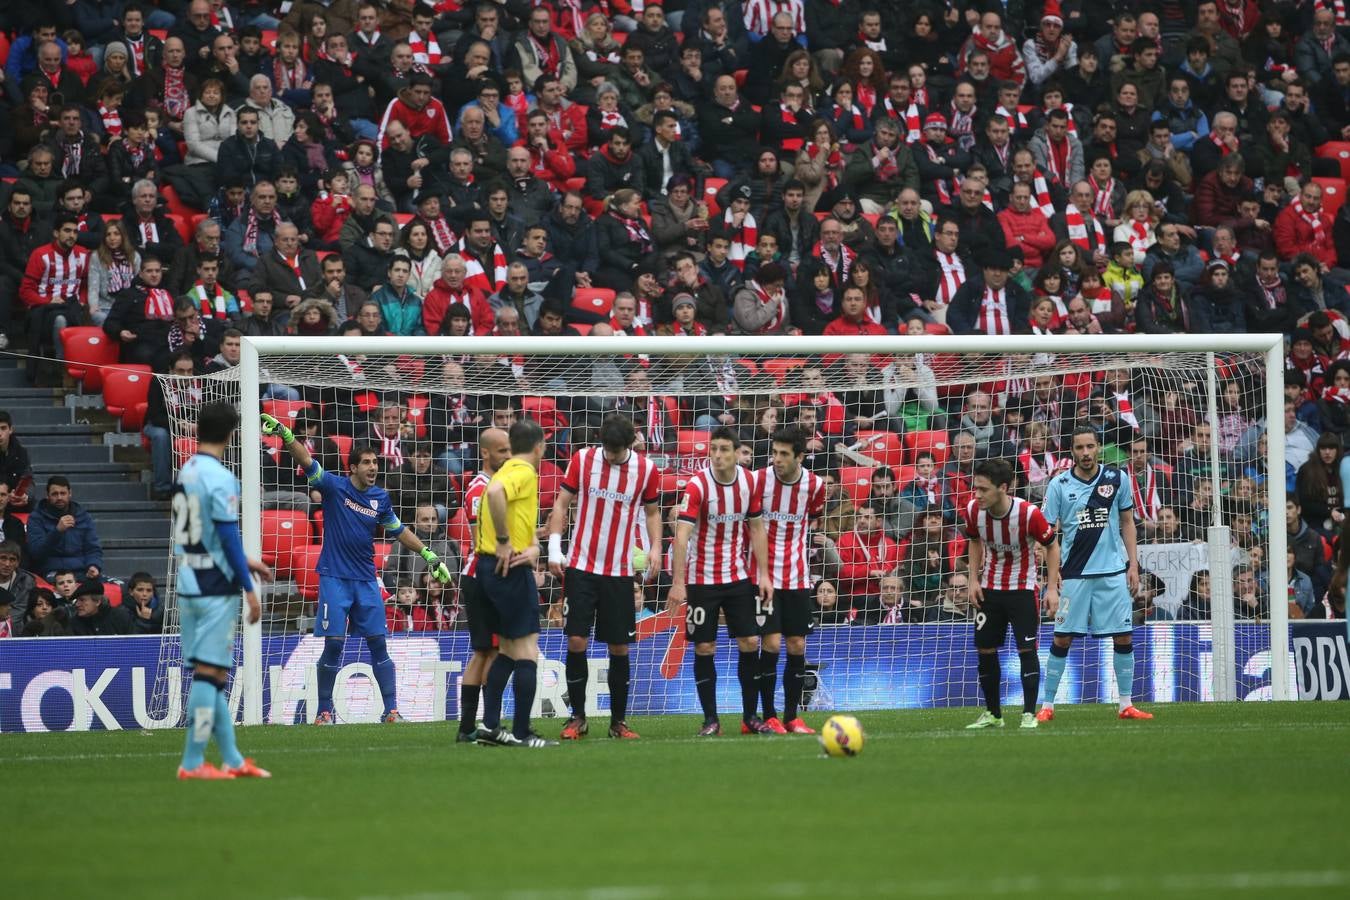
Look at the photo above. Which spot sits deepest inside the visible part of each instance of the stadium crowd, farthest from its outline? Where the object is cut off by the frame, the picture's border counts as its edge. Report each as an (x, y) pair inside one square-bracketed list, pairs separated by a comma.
[(186, 172)]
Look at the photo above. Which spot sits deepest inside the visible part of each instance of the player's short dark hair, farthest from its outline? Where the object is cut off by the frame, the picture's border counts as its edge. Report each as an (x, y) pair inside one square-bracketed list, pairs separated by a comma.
[(792, 436), (725, 433), (617, 432), (215, 422), (1083, 428), (998, 471), (360, 452), (525, 435)]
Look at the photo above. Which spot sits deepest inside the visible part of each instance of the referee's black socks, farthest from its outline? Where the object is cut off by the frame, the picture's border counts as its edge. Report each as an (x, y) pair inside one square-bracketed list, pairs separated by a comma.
[(1031, 679), (494, 686), (768, 682), (989, 679), (618, 688), (468, 707), (748, 672), (578, 673), (705, 680), (794, 680)]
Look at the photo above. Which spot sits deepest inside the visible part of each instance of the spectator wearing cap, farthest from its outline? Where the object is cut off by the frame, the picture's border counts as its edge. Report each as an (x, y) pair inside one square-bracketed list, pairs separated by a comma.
[(881, 168), (61, 533), (710, 300), (844, 209), (94, 615), (993, 305), (19, 582), (665, 156), (1161, 308), (1224, 303), (684, 309), (765, 178), (760, 306), (939, 161)]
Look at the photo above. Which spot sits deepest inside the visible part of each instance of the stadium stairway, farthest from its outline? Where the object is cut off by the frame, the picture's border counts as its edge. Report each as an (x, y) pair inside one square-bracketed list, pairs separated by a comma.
[(68, 434)]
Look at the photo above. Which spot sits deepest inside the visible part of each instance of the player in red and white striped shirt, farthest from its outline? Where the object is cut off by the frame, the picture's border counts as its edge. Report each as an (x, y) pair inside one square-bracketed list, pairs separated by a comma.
[(55, 284), (494, 447), (1003, 532), (608, 484), (721, 514), (790, 497)]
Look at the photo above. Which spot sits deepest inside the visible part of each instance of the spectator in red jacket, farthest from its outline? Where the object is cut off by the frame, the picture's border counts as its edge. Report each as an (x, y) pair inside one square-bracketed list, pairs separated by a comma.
[(853, 318), (1025, 226), (418, 110), (1302, 227), (865, 555)]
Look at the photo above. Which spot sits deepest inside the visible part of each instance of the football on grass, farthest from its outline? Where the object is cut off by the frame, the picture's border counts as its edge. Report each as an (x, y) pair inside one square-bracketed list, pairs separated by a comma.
[(841, 736)]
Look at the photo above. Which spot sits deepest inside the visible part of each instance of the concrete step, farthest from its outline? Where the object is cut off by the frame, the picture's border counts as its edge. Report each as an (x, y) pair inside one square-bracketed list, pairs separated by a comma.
[(87, 492), (119, 563), (142, 532), (69, 432), (26, 419), (12, 377), (127, 509), (54, 456), (26, 397)]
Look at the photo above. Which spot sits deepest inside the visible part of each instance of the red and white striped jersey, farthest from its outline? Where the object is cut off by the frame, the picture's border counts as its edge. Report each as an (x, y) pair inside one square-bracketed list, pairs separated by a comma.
[(473, 499), (759, 15), (995, 316), (787, 510), (1146, 499), (1009, 543), (720, 514), (610, 497), (53, 276)]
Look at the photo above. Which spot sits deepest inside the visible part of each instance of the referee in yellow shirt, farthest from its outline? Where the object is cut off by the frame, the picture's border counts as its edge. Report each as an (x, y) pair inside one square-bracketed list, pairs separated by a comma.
[(507, 547)]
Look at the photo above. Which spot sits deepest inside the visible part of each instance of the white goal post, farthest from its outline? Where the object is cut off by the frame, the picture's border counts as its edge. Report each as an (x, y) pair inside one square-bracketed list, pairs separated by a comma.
[(1266, 353)]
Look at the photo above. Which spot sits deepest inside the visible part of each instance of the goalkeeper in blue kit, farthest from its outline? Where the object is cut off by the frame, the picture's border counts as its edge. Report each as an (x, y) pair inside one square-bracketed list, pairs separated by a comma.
[(354, 511), (1091, 580)]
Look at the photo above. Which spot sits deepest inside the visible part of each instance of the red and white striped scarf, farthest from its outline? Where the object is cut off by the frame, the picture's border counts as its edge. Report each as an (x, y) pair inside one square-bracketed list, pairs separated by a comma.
[(610, 119), (1224, 149), (293, 263), (1338, 9), (1041, 189), (834, 163), (743, 239), (693, 329), (951, 275), (1125, 407), (137, 48), (637, 230), (839, 264), (1017, 119), (1231, 259), (175, 92), (1146, 499), (779, 303), (942, 185), (1312, 220), (441, 234), (426, 51), (476, 276), (1041, 467), (138, 152), (391, 448), (1078, 229), (1141, 236), (211, 303), (288, 77), (962, 127), (789, 118), (149, 231), (546, 53), (119, 273), (1102, 204), (158, 304), (1057, 158), (112, 120), (70, 166), (910, 116), (995, 317), (251, 230), (656, 424)]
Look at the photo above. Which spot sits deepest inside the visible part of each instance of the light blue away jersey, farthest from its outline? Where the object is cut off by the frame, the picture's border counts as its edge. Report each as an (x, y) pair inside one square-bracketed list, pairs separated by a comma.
[(207, 494), (1087, 514)]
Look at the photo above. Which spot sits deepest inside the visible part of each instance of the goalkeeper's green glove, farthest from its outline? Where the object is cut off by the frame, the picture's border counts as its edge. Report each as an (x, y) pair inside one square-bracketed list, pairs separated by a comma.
[(271, 426), (438, 569)]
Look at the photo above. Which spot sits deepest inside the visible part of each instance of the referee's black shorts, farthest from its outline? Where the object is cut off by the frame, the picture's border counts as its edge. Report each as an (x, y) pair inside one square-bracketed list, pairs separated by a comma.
[(483, 622), (514, 596), (605, 601), (1001, 609)]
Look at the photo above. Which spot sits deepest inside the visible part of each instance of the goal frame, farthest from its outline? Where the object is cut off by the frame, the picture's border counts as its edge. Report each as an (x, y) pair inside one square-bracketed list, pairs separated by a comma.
[(255, 350)]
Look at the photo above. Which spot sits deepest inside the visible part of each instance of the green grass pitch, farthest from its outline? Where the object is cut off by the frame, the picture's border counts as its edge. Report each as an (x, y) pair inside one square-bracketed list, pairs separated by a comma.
[(1204, 801)]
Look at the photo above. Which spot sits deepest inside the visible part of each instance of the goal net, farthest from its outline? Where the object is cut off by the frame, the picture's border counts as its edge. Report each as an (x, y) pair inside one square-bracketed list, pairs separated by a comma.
[(895, 428)]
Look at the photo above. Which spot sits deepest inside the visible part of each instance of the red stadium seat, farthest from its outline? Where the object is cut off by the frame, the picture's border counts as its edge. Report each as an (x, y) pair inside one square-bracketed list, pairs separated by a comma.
[(318, 524), (581, 328), (575, 184), (285, 411), (125, 392), (113, 591), (382, 551), (417, 413), (780, 366), (366, 401), (1333, 194), (1339, 151), (403, 218), (740, 75), (176, 205), (87, 350), (673, 482), (936, 328), (872, 218), (691, 442), (710, 188), (855, 482), (593, 303), (883, 446), (544, 410), (904, 475), (283, 532), (936, 442), (303, 564), (269, 38), (180, 225), (550, 482), (457, 530), (344, 445), (183, 448)]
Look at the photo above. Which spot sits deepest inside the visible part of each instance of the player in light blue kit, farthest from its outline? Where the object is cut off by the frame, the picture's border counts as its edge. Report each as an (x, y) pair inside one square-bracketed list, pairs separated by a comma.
[(354, 511), (1097, 560), (212, 570)]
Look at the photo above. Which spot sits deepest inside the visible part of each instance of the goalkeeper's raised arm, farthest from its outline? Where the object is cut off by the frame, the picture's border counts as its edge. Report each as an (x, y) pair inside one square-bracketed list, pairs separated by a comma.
[(299, 452)]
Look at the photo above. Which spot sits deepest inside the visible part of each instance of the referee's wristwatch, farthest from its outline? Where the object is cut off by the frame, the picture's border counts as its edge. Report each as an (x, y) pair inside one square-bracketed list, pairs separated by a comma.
[(503, 538)]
